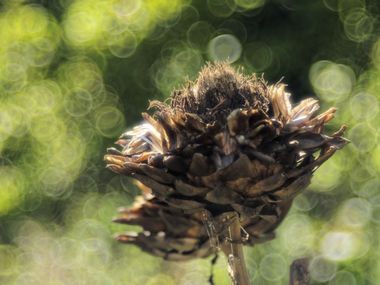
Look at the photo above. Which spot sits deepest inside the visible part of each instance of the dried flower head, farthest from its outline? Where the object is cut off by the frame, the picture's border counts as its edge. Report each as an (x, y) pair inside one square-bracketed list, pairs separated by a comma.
[(224, 143)]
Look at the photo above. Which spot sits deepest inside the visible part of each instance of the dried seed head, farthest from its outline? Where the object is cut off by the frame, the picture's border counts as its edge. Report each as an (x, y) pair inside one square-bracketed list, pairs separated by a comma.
[(226, 142)]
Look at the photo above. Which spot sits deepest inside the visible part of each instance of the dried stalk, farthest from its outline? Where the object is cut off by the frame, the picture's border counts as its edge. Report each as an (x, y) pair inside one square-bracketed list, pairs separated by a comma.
[(233, 249)]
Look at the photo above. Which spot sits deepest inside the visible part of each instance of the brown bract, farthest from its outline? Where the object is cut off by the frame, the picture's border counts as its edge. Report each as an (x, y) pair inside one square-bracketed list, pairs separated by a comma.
[(226, 142)]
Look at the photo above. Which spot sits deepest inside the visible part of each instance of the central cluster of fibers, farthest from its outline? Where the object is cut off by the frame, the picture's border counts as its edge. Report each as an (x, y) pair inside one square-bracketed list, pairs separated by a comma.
[(226, 142)]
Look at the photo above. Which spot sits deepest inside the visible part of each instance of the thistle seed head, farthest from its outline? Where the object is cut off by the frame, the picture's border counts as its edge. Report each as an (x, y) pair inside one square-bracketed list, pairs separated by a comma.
[(225, 142)]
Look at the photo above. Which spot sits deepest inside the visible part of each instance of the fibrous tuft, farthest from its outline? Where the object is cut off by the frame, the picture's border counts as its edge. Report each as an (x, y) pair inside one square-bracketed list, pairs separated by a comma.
[(217, 91)]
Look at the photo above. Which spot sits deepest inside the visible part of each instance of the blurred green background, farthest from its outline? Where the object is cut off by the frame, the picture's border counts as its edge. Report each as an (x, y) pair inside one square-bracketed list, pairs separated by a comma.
[(75, 73)]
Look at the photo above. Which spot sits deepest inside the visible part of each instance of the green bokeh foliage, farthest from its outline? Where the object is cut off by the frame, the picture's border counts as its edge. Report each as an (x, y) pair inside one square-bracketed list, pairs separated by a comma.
[(75, 73)]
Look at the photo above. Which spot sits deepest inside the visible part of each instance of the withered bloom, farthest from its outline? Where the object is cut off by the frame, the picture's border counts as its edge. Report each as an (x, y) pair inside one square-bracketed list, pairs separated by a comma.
[(224, 143)]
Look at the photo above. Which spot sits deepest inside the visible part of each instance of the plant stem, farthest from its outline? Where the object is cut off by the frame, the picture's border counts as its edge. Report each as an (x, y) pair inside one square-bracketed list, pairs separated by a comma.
[(233, 249), (299, 273)]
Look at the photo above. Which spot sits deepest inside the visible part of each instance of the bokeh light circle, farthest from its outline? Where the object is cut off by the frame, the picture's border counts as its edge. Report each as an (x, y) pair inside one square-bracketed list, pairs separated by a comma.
[(327, 178), (8, 262), (6, 124), (221, 8), (375, 55), (339, 246), (375, 202), (199, 34), (55, 183), (43, 97), (364, 106), (297, 235), (273, 267), (355, 212), (126, 8), (321, 269), (123, 45), (250, 4), (331, 4), (369, 189), (363, 137), (235, 27), (258, 56), (109, 121), (224, 48), (12, 186), (78, 103), (305, 201), (189, 15), (252, 267), (358, 25), (343, 278), (331, 81)]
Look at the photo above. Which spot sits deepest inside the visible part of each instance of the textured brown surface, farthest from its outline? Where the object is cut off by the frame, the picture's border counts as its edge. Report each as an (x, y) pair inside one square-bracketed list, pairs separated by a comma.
[(225, 142)]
